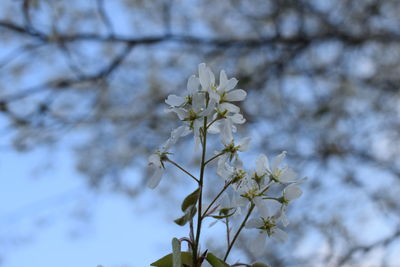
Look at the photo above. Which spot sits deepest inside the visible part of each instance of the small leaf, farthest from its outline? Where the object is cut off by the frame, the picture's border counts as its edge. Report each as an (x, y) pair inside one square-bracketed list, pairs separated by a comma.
[(189, 214), (167, 261), (190, 200), (259, 264), (176, 253), (225, 214), (215, 261)]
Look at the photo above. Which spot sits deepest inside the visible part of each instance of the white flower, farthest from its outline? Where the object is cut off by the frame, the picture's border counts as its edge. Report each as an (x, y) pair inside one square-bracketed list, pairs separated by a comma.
[(192, 88), (267, 228), (175, 101), (227, 207), (230, 150), (156, 159), (281, 175), (156, 162), (248, 188), (224, 92), (291, 192), (206, 78), (193, 115), (233, 174)]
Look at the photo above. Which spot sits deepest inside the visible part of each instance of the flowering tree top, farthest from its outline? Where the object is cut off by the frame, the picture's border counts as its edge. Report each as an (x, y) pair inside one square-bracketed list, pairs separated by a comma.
[(246, 195)]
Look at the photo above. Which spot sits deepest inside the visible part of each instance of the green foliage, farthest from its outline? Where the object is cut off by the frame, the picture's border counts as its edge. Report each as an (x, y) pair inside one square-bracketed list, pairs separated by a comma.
[(189, 214), (176, 253), (191, 199), (167, 261), (259, 264), (189, 207), (215, 261)]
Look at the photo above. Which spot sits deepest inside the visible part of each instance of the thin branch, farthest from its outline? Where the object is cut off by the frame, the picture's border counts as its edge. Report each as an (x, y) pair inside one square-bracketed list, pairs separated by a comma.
[(239, 230), (214, 157), (367, 248), (104, 17), (202, 168), (67, 82), (183, 169), (228, 236), (216, 198), (334, 34)]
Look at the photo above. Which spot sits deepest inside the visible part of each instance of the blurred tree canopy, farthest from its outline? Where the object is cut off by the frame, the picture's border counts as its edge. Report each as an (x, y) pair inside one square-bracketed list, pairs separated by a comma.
[(322, 79)]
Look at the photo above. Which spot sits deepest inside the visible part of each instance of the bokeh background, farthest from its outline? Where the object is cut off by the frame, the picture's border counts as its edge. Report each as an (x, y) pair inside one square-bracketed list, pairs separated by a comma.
[(82, 89)]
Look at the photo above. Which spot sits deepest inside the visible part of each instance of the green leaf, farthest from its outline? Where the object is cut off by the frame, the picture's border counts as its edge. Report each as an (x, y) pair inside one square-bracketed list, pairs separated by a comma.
[(189, 214), (176, 253), (259, 264), (190, 200), (225, 214), (215, 261), (167, 261)]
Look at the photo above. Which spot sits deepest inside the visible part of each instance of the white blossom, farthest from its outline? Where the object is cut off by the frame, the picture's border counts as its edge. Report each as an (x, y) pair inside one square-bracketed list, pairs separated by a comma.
[(267, 227), (291, 192), (156, 162), (156, 159), (277, 174), (207, 108)]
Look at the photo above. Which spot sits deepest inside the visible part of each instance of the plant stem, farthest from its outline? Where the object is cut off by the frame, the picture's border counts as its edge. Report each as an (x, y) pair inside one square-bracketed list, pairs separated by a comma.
[(212, 122), (228, 236), (191, 234), (199, 217), (214, 157), (182, 169), (238, 231), (215, 199)]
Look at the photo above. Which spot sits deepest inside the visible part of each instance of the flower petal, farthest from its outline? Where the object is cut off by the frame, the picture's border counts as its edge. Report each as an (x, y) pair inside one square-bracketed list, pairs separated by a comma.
[(284, 219), (244, 144), (254, 223), (175, 101), (292, 191), (154, 159), (237, 118), (155, 178), (262, 207), (175, 135), (182, 113), (209, 110), (204, 77), (223, 79), (262, 165), (279, 235), (236, 95), (214, 95), (287, 176), (229, 107), (232, 84), (198, 101), (258, 245), (226, 132), (211, 76), (193, 84), (277, 161)]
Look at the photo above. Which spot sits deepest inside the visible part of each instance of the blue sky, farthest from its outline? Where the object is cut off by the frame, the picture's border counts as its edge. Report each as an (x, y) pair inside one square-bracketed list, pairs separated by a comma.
[(42, 210)]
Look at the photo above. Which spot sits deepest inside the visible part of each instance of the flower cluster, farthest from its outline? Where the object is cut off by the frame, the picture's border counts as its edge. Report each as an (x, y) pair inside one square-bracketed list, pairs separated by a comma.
[(210, 108), (205, 101)]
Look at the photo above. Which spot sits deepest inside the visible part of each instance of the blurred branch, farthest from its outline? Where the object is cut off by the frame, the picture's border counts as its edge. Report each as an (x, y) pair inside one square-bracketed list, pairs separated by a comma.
[(365, 249), (218, 42), (104, 17), (67, 82)]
